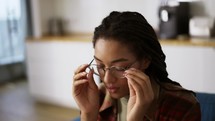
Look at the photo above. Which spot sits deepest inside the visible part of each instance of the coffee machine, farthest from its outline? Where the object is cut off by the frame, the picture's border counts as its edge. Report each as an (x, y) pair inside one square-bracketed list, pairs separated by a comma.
[(174, 20)]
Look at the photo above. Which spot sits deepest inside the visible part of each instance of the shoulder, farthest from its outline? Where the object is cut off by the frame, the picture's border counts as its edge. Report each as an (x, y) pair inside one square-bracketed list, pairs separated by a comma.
[(178, 102), (171, 92)]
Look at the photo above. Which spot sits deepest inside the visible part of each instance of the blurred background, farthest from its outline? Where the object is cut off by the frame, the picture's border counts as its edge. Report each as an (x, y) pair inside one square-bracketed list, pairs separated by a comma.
[(43, 41)]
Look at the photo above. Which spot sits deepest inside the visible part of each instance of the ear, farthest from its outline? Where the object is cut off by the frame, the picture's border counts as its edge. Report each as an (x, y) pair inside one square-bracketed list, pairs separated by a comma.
[(145, 63)]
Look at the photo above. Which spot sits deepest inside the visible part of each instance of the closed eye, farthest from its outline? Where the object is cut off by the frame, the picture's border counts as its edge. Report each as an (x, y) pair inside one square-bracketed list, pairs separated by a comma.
[(100, 66), (118, 68)]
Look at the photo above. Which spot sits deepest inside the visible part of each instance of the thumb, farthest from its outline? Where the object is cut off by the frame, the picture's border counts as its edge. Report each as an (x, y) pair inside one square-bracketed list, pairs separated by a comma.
[(91, 79), (131, 89)]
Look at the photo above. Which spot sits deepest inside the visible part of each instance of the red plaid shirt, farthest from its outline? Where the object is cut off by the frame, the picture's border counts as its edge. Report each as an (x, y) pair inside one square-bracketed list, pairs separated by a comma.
[(170, 106)]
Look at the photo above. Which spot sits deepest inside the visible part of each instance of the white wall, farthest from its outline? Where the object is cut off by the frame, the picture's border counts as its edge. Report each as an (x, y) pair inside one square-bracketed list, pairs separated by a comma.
[(82, 16), (47, 11)]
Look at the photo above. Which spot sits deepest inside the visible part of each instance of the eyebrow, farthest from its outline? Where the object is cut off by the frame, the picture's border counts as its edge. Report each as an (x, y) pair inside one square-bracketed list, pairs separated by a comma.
[(114, 61)]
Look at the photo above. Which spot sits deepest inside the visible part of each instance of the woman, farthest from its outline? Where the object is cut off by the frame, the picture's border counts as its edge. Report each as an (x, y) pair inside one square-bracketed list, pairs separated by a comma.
[(134, 81)]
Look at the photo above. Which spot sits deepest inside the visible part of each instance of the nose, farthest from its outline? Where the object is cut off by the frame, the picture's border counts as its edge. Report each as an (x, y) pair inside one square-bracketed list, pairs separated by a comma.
[(108, 77)]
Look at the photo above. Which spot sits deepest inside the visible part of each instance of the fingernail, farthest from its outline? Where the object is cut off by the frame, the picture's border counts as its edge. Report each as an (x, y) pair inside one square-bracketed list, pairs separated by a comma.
[(125, 74), (92, 70)]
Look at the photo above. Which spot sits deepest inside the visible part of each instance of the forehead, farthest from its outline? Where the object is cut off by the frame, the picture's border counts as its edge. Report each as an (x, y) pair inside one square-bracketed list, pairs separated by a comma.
[(108, 50)]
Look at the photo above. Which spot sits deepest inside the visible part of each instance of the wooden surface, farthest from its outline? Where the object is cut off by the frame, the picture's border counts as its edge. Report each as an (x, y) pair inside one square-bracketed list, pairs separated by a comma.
[(75, 37), (206, 42), (17, 105), (190, 42)]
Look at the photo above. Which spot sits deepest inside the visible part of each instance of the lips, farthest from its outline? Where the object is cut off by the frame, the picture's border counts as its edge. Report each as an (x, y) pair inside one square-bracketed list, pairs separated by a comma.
[(112, 89)]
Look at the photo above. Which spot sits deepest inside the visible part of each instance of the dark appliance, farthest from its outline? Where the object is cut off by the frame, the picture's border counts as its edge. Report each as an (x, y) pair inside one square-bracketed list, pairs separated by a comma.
[(174, 20)]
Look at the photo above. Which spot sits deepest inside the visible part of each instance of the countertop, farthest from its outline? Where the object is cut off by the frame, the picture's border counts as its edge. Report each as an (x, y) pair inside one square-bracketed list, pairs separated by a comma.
[(205, 42), (73, 37)]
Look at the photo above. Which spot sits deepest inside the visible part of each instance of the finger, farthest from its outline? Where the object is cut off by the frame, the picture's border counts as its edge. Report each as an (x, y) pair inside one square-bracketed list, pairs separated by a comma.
[(92, 83), (131, 89), (146, 92), (78, 86), (138, 73), (136, 87), (140, 81), (79, 76), (140, 77), (136, 92), (79, 82), (81, 68)]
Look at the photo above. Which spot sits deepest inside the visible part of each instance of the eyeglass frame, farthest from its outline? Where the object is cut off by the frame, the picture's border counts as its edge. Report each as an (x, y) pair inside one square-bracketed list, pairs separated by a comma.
[(104, 69)]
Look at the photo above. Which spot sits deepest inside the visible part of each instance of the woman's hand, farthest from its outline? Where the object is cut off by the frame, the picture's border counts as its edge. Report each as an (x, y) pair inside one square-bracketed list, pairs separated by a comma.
[(141, 94), (85, 92)]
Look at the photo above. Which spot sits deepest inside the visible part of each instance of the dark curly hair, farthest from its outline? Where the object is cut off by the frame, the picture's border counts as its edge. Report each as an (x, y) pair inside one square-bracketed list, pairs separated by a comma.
[(131, 29)]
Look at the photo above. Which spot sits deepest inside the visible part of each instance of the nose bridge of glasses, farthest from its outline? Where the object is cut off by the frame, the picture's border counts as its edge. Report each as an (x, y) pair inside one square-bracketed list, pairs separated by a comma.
[(107, 68), (110, 69), (105, 71)]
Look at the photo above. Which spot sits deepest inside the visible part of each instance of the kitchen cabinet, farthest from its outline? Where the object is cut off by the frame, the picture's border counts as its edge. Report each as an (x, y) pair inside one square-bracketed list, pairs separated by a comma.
[(51, 63), (192, 66), (50, 67)]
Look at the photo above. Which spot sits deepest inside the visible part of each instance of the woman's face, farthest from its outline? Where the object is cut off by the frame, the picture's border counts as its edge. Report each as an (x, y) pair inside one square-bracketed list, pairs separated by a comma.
[(109, 53)]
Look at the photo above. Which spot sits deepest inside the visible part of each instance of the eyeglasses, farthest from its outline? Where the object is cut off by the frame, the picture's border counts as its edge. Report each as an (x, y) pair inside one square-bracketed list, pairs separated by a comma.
[(116, 71)]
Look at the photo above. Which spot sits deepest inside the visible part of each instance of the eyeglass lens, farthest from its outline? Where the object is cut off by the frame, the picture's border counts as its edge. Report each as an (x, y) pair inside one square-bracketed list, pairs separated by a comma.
[(100, 71)]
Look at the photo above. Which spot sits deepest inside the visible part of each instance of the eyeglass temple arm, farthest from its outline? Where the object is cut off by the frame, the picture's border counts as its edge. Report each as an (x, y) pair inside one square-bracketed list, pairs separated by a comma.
[(91, 62)]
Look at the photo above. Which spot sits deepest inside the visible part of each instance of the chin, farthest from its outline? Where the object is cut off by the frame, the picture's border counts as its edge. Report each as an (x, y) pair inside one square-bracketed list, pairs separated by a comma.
[(117, 96)]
